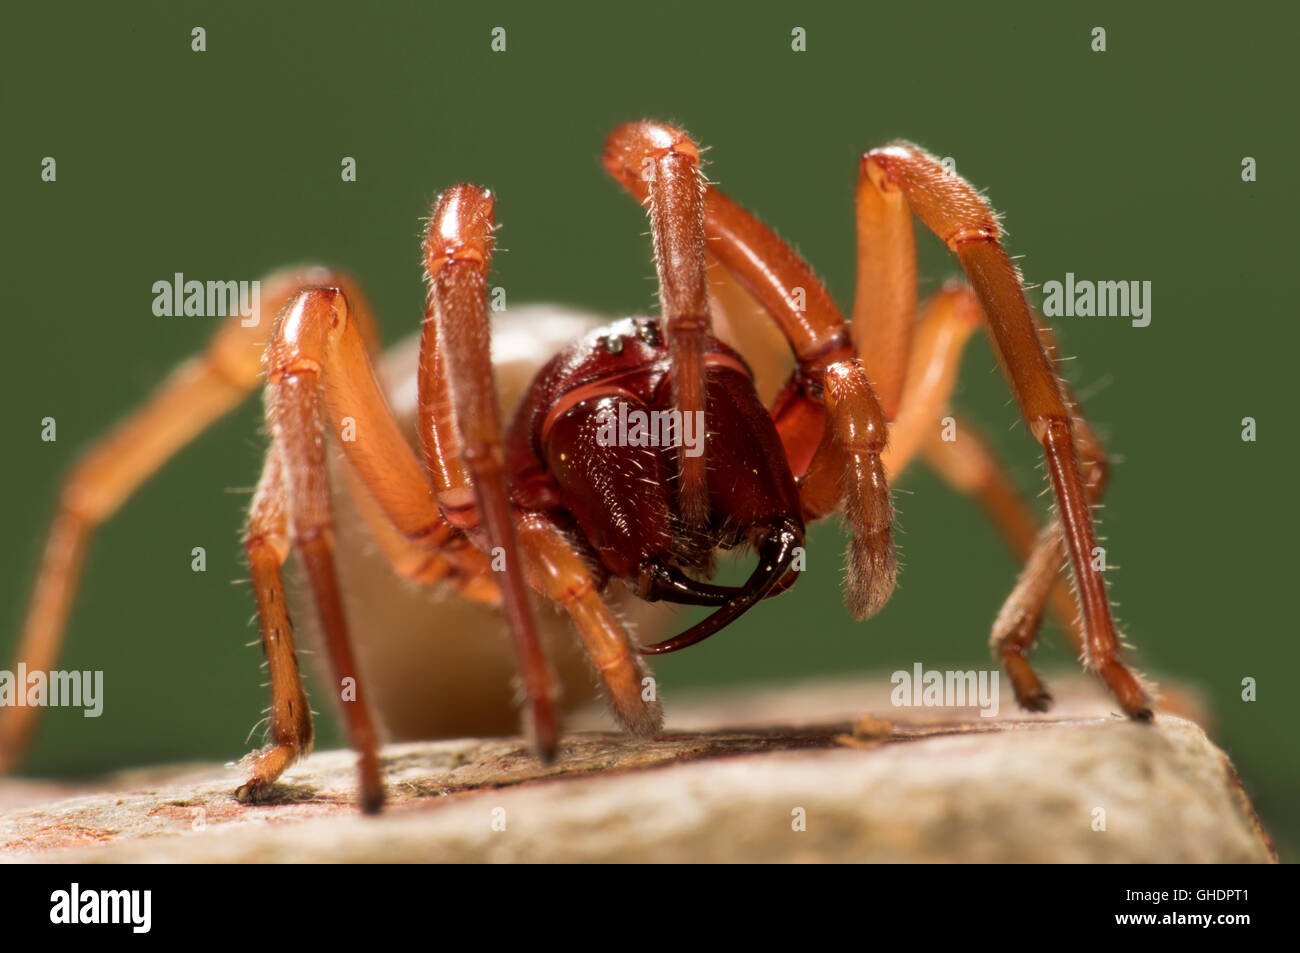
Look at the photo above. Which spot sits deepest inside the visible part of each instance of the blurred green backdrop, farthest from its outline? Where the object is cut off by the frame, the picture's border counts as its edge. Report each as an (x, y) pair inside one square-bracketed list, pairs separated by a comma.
[(1116, 165)]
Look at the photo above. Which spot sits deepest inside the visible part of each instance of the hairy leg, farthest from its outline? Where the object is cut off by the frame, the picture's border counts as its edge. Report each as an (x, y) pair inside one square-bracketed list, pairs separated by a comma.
[(196, 394), (665, 165), (558, 571), (966, 224), (829, 400), (456, 387), (266, 543), (309, 347), (947, 322), (969, 466), (884, 307)]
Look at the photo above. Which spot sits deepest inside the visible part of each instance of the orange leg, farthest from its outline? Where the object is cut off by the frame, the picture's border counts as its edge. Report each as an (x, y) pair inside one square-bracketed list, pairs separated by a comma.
[(945, 327), (1045, 555), (943, 330), (317, 352), (196, 394), (1094, 463), (1016, 628), (661, 166), (740, 322), (455, 561), (266, 542), (319, 371), (969, 466), (830, 387), (558, 571), (829, 398), (859, 435), (456, 374), (829, 393), (884, 308), (954, 212)]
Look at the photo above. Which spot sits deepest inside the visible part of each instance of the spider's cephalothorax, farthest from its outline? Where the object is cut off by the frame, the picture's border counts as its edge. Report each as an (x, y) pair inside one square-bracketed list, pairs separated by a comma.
[(584, 486), (596, 440)]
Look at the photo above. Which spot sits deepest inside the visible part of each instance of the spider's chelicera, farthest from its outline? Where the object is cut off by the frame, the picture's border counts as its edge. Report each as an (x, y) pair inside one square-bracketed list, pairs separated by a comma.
[(637, 452)]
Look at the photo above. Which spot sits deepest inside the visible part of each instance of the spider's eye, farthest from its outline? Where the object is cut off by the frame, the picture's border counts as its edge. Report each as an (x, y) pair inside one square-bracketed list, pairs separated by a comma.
[(613, 344), (648, 331)]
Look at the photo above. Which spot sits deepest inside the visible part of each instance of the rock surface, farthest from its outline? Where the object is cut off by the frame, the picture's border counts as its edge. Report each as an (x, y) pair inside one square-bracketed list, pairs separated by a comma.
[(821, 772)]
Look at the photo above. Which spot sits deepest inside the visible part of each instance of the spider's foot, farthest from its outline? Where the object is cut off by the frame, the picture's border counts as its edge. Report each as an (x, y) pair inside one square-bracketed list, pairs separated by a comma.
[(254, 791), (1127, 689), (1038, 703), (542, 729), (1029, 690), (265, 768), (372, 798), (641, 719)]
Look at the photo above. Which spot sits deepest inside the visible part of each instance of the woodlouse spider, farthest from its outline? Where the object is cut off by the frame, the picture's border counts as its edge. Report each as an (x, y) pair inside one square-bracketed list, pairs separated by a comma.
[(555, 503)]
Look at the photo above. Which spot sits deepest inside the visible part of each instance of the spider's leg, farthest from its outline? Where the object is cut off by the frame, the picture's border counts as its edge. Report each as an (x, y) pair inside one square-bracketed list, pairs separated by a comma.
[(945, 325), (859, 433), (454, 560), (196, 394), (661, 166), (558, 571), (947, 322), (833, 474), (318, 370), (828, 400), (460, 425), (266, 543), (740, 321), (963, 220), (884, 306), (969, 465)]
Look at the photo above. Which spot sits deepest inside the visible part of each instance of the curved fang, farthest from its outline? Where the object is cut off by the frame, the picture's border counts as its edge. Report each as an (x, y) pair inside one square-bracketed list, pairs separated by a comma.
[(660, 581), (775, 554)]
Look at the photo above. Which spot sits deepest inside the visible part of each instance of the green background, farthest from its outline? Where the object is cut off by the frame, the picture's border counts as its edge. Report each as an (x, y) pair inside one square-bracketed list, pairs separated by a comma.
[(1116, 165)]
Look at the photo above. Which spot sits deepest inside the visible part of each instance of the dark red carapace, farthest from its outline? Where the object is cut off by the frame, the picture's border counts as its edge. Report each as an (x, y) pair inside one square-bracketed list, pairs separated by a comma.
[(596, 443)]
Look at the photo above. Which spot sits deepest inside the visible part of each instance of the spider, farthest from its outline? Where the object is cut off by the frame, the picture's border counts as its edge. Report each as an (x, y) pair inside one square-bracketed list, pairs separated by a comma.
[(562, 502)]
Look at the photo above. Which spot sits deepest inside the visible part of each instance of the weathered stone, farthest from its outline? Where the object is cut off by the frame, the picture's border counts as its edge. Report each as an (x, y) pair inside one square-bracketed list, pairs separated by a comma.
[(868, 781)]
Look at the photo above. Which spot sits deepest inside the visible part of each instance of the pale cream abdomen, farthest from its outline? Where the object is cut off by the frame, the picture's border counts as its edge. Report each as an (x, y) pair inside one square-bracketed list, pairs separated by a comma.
[(436, 664)]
